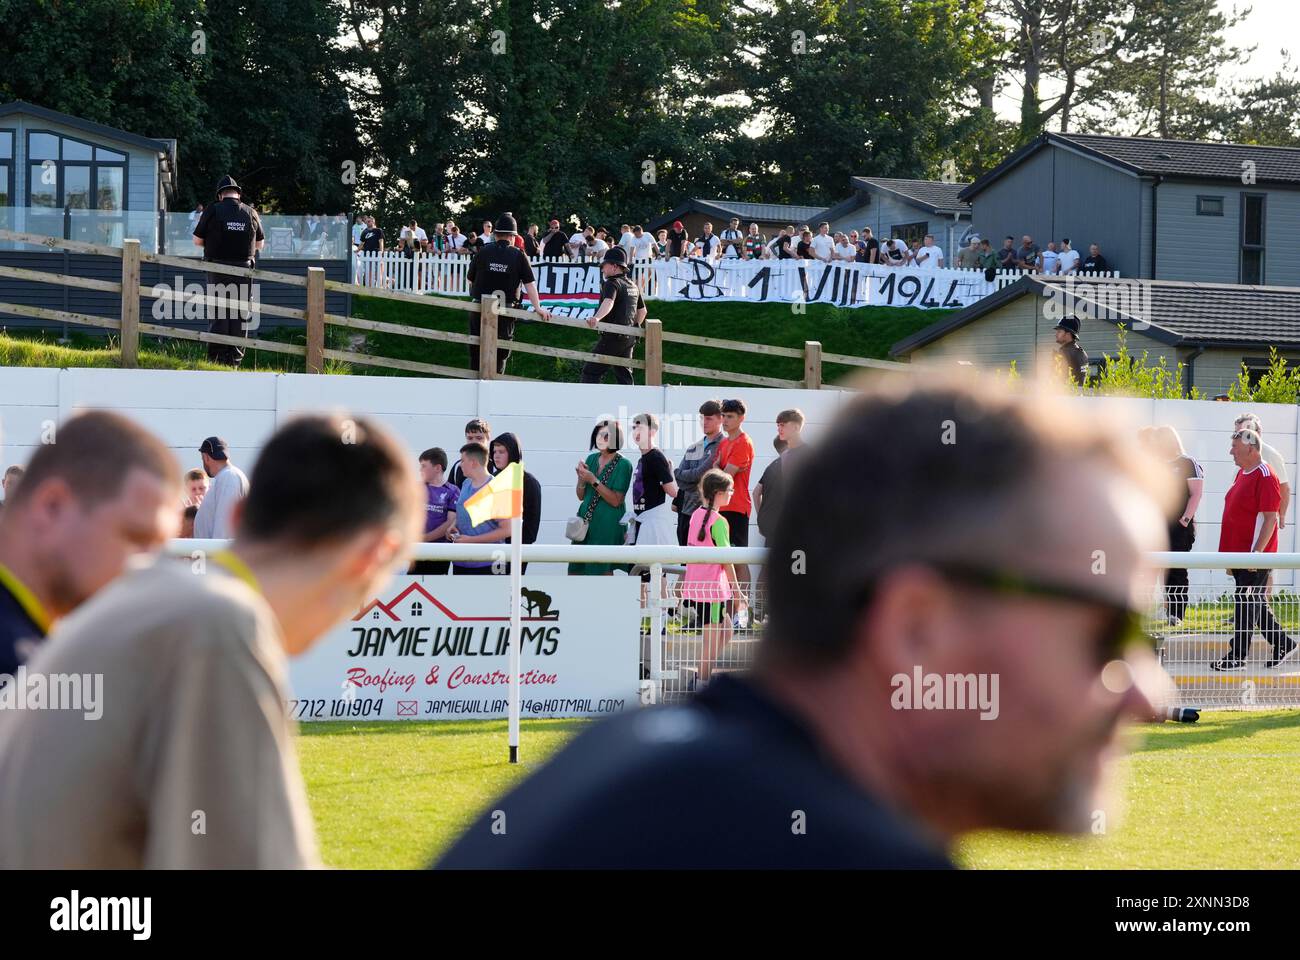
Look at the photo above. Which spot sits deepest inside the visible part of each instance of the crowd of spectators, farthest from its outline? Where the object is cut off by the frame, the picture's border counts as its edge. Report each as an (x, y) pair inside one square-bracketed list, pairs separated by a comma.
[(735, 243)]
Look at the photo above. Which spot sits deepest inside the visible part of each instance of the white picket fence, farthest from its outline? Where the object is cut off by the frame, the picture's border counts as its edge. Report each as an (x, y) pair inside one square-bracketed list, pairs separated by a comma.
[(447, 275), (425, 273)]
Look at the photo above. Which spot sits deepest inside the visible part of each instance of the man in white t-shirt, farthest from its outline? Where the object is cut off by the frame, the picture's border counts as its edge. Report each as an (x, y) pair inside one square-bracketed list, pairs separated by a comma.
[(844, 250), (706, 245), (1068, 260), (1049, 261), (643, 245), (625, 239), (893, 252), (577, 241), (454, 240), (929, 256), (823, 244), (733, 240)]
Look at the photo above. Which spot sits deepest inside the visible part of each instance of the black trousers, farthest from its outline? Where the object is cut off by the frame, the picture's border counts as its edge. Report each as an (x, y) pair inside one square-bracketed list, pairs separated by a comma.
[(1181, 540), (505, 332), (225, 318), (683, 527), (610, 345), (429, 567), (1250, 612)]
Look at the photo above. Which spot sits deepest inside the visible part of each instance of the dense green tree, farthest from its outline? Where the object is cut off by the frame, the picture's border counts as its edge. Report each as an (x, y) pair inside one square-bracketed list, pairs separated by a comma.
[(1162, 82), (124, 64), (845, 88), (274, 92)]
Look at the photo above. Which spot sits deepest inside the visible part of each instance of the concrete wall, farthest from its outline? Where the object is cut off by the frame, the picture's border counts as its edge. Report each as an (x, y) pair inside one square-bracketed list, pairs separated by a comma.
[(1205, 427), (552, 421)]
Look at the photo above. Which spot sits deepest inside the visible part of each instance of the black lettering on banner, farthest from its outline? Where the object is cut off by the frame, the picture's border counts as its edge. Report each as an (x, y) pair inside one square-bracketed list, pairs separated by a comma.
[(952, 300), (764, 276), (926, 299), (915, 292), (702, 279), (886, 289), (821, 285)]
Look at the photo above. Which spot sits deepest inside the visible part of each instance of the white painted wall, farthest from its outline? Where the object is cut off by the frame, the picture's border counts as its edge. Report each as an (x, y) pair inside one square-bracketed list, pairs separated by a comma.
[(552, 420), (1205, 428)]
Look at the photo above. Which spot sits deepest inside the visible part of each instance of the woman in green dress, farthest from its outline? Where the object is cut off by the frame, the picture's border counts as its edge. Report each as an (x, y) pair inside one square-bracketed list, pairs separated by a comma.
[(603, 480)]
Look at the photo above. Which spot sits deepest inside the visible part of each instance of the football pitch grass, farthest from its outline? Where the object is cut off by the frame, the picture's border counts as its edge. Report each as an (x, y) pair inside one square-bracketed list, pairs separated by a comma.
[(1221, 793)]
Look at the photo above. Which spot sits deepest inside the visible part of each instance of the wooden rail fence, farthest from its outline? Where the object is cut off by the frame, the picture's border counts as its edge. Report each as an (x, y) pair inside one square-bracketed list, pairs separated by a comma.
[(129, 326)]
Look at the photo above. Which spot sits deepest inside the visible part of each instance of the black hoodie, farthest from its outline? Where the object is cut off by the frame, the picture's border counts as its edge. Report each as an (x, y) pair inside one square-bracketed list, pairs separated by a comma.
[(532, 489)]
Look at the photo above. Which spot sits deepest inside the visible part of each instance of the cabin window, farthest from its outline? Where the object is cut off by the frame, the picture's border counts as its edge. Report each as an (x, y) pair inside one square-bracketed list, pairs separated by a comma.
[(1209, 206)]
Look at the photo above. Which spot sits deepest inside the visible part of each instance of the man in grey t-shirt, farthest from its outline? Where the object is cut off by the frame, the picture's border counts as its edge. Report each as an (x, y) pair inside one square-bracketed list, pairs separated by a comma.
[(179, 753), (229, 486)]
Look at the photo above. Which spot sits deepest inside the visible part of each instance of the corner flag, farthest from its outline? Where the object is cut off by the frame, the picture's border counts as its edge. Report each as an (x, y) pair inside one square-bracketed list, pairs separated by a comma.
[(501, 499)]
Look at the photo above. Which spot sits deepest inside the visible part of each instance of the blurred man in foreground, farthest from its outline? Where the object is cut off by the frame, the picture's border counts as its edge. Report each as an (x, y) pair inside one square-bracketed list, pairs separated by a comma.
[(102, 493), (191, 762), (941, 656)]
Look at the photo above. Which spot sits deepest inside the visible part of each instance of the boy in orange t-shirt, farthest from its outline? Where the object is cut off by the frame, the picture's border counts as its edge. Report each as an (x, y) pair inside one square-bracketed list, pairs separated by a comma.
[(736, 457)]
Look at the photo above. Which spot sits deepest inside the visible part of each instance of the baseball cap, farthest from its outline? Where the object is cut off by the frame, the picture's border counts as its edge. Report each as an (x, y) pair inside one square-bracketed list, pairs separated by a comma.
[(214, 447)]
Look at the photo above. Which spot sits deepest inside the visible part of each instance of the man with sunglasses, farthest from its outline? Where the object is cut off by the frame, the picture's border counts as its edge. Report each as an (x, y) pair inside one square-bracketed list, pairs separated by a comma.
[(959, 564), (1251, 509)]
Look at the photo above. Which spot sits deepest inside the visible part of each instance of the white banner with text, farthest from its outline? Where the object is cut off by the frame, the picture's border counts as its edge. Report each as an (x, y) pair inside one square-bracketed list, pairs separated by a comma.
[(841, 284)]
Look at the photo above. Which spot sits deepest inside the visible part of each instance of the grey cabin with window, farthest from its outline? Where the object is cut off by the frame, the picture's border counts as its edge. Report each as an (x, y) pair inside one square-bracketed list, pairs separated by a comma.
[(1161, 209), (67, 177)]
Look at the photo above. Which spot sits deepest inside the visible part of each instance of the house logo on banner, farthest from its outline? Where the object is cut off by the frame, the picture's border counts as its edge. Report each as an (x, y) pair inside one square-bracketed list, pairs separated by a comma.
[(433, 652), (812, 281)]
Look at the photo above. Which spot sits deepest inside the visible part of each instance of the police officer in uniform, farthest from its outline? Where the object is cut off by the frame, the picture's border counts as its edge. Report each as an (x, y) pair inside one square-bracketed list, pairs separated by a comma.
[(620, 303), (501, 267), (230, 232), (1072, 355)]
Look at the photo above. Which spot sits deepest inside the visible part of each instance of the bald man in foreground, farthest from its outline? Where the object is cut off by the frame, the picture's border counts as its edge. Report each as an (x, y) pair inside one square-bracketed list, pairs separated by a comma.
[(952, 652)]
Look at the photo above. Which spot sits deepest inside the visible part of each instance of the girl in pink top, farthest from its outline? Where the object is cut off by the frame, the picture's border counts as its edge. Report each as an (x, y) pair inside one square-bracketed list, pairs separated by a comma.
[(707, 586)]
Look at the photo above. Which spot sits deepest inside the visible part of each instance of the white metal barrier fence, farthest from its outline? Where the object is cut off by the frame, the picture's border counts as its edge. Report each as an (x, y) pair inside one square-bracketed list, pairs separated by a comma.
[(689, 634)]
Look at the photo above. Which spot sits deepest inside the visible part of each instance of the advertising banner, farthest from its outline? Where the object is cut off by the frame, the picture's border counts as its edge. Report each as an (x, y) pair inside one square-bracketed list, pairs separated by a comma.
[(437, 648)]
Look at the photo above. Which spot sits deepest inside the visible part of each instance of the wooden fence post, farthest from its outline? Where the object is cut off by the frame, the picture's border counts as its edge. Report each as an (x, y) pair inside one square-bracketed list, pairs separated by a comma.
[(654, 353), (812, 365), (130, 328), (315, 320), (487, 338)]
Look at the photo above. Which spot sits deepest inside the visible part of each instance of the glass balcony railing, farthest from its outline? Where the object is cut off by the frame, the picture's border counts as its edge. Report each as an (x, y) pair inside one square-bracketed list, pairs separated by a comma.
[(287, 237), (106, 227)]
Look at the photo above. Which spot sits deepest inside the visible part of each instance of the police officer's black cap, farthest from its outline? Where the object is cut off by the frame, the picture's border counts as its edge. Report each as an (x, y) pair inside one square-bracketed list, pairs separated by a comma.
[(506, 223), (228, 183), (214, 447), (616, 256), (1069, 325)]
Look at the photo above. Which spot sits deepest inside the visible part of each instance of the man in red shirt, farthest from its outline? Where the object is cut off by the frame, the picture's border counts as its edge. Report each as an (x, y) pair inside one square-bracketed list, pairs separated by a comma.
[(736, 457), (1250, 514)]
